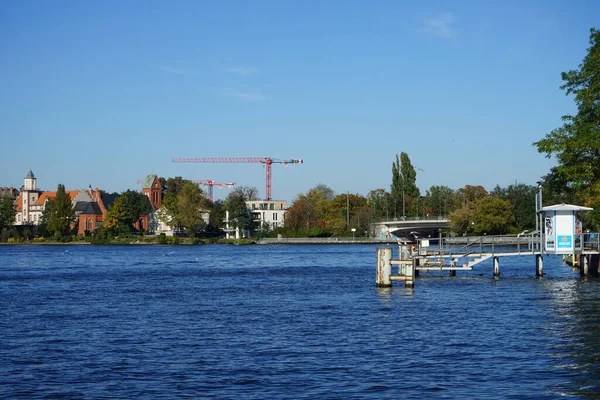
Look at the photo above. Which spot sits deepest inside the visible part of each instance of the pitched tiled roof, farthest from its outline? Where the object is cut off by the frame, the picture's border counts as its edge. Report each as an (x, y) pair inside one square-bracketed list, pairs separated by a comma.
[(92, 208), (80, 206), (108, 199), (51, 196), (19, 203)]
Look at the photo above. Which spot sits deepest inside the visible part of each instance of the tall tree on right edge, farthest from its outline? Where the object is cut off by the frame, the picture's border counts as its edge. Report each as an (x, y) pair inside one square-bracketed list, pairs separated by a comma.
[(404, 182), (576, 144)]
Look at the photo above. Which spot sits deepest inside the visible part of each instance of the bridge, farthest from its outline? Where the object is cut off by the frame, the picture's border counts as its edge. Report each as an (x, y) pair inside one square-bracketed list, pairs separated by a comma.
[(404, 226)]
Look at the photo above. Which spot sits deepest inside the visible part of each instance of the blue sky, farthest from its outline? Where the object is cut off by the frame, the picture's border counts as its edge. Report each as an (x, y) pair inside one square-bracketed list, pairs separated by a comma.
[(106, 92)]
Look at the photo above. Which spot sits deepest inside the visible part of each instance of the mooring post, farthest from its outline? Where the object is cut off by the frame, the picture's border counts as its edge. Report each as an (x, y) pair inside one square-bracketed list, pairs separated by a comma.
[(496, 266), (452, 272), (584, 267), (411, 270), (539, 266), (384, 267)]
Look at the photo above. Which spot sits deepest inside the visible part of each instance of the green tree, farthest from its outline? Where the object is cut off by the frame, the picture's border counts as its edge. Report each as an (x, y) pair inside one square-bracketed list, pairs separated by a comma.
[(7, 212), (576, 144), (313, 214), (118, 220), (404, 190), (376, 200), (60, 213), (438, 200), (183, 205), (239, 217), (522, 200), (125, 211), (493, 216), (489, 215), (191, 204), (217, 215), (470, 194)]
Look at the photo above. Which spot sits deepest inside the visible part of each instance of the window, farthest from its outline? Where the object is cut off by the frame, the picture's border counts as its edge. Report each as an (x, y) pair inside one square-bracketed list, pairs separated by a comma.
[(89, 225), (274, 216)]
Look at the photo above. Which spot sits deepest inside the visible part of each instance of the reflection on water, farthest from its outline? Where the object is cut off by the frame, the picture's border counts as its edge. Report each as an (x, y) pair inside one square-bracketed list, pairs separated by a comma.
[(288, 321)]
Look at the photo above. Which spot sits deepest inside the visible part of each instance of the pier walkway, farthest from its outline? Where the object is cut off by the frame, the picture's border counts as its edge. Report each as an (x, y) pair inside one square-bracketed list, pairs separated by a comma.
[(463, 253)]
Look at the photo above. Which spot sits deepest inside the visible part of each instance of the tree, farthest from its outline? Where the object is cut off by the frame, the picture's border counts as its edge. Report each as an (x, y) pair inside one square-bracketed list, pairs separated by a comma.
[(522, 200), (576, 144), (125, 211), (118, 219), (438, 200), (313, 213), (217, 215), (250, 193), (239, 217), (60, 213), (376, 200), (7, 212), (191, 204), (490, 215), (470, 194), (493, 216), (404, 188)]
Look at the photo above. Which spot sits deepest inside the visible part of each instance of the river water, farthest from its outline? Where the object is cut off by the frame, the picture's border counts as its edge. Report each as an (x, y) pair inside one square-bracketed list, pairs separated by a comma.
[(288, 321)]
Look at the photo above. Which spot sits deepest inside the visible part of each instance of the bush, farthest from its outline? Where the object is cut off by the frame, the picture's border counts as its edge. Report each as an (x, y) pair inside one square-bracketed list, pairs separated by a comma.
[(162, 239), (4, 235)]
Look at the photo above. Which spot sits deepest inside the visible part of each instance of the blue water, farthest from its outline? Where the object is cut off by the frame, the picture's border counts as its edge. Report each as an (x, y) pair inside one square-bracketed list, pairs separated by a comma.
[(301, 322)]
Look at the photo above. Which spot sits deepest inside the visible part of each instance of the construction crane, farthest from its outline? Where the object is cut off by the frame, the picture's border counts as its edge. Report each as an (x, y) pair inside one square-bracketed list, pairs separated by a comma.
[(208, 183), (267, 161)]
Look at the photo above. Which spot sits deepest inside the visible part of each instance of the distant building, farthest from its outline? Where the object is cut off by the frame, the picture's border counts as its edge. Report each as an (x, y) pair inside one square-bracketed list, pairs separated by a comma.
[(92, 214), (31, 202), (266, 214), (9, 192), (159, 219), (269, 213)]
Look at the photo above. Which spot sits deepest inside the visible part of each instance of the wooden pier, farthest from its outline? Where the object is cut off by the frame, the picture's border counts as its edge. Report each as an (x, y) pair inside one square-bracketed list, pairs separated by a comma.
[(464, 253)]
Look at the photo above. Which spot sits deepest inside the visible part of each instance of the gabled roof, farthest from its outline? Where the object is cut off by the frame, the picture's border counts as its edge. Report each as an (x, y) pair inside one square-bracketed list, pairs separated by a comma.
[(52, 195), (19, 202), (80, 206), (108, 199), (92, 208), (149, 181), (565, 207)]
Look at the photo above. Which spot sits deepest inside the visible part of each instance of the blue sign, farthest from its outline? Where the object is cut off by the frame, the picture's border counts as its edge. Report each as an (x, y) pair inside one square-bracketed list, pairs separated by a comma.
[(564, 241)]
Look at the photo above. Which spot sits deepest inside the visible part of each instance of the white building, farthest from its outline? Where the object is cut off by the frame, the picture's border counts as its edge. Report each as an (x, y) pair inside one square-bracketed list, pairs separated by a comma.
[(31, 202), (267, 213)]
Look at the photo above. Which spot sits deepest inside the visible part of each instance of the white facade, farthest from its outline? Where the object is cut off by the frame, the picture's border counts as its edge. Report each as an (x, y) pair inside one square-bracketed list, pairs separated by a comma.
[(159, 221), (269, 213), (31, 202)]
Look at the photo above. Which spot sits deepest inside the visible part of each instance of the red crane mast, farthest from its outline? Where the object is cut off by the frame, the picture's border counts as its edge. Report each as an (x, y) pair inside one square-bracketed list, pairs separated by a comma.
[(263, 160)]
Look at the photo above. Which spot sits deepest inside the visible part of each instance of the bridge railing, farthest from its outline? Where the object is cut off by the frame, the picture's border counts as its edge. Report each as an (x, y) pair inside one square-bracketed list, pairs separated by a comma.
[(424, 218), (529, 243)]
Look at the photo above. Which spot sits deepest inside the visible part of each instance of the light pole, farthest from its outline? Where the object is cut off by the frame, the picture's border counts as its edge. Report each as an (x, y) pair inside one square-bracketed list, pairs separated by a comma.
[(353, 230)]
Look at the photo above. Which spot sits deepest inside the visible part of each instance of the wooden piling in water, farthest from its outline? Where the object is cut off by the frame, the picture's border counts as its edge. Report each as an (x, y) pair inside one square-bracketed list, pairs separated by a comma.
[(496, 266), (584, 267), (384, 267), (411, 271)]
